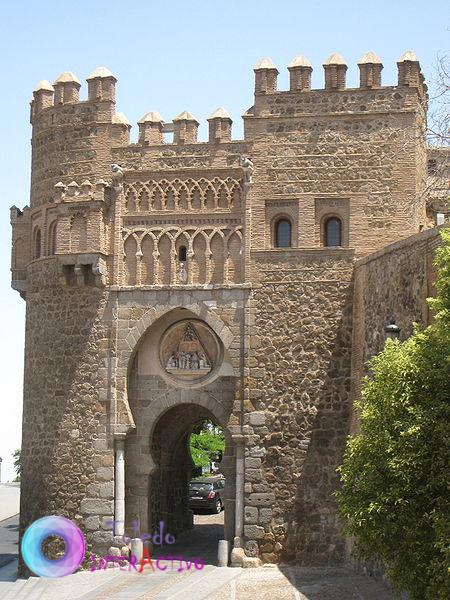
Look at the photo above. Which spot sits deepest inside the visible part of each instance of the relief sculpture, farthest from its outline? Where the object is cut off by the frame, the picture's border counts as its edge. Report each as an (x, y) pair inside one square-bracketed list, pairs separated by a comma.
[(187, 355)]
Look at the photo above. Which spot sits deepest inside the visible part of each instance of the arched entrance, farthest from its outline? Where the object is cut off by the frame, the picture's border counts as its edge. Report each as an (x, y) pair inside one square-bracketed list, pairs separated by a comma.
[(167, 402), (169, 480)]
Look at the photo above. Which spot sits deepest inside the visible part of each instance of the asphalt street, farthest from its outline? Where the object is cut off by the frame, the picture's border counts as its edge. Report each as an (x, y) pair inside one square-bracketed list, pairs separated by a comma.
[(9, 535)]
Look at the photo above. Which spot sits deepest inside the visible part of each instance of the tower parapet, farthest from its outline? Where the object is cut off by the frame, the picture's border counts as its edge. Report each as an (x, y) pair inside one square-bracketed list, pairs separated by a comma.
[(101, 85), (67, 88), (120, 130), (266, 75), (151, 127), (410, 73), (300, 70), (370, 68), (219, 126), (72, 139), (185, 128), (335, 69), (43, 97)]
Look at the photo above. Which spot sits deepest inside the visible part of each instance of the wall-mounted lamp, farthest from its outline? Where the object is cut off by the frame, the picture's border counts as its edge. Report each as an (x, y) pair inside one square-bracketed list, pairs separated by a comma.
[(392, 330)]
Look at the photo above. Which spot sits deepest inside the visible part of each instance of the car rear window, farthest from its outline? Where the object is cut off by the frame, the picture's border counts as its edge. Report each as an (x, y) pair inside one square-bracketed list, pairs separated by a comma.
[(201, 487)]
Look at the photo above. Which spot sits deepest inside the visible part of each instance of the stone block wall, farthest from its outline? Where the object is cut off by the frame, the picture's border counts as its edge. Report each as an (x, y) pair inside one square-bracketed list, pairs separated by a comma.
[(67, 463), (392, 283), (298, 386)]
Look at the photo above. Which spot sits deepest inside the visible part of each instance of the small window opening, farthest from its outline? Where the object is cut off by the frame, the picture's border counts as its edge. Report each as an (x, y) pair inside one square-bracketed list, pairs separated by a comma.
[(333, 232), (283, 234), (37, 243), (182, 254)]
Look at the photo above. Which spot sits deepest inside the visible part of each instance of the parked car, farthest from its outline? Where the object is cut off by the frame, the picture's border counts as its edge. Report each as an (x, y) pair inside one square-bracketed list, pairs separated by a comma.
[(206, 492)]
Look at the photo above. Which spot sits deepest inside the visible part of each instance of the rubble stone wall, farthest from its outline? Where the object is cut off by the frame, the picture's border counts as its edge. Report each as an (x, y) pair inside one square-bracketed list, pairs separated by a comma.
[(298, 386)]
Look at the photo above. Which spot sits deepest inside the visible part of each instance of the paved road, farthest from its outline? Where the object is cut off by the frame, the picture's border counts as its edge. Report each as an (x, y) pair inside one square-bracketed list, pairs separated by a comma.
[(200, 542), (9, 500), (286, 582), (9, 534)]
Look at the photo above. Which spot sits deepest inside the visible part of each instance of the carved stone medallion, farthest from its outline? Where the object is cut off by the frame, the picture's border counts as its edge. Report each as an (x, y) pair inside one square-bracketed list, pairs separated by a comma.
[(189, 350)]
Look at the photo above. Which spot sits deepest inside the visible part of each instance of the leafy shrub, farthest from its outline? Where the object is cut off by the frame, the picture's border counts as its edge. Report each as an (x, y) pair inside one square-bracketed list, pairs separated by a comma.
[(395, 484)]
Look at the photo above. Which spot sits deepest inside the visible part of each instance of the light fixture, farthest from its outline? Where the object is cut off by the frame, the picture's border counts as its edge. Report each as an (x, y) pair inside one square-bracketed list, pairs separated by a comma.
[(392, 330)]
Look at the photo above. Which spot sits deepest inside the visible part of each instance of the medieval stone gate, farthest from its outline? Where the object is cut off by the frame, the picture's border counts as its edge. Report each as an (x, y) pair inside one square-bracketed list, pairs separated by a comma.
[(246, 281), (181, 372)]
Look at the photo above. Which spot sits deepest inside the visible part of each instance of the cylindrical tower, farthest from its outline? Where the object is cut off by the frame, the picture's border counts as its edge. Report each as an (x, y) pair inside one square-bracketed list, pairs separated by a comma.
[(60, 265)]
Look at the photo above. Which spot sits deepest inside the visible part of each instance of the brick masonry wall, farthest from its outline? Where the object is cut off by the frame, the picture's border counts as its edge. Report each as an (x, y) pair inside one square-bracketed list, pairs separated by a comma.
[(71, 142), (362, 147)]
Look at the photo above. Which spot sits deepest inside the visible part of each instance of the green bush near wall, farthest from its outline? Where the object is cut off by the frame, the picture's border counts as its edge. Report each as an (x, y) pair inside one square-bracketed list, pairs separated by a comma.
[(395, 474)]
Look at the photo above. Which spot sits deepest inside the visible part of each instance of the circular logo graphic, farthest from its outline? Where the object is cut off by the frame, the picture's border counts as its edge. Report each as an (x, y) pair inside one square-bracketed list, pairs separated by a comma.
[(41, 529)]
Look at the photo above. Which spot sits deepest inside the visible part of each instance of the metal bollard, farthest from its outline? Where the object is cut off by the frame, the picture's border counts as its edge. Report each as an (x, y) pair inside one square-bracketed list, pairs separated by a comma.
[(137, 548), (222, 553)]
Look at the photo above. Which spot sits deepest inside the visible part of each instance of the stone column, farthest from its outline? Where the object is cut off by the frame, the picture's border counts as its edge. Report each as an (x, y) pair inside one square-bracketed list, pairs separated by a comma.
[(139, 257), (239, 516), (237, 553), (156, 267), (119, 495), (190, 265)]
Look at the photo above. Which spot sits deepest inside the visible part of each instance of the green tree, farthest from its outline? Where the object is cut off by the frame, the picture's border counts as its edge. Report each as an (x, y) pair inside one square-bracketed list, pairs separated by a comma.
[(206, 444), (394, 496), (17, 455)]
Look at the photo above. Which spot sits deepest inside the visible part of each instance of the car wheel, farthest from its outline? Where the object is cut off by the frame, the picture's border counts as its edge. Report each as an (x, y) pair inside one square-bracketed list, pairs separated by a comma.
[(217, 507)]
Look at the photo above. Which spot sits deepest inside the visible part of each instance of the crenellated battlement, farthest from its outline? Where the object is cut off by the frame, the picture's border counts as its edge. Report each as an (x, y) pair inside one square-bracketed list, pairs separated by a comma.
[(66, 90), (335, 69), (307, 154), (152, 127)]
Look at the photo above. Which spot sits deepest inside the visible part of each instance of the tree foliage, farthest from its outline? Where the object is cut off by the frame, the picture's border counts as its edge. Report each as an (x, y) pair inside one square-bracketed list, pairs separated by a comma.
[(207, 444), (17, 456), (394, 497)]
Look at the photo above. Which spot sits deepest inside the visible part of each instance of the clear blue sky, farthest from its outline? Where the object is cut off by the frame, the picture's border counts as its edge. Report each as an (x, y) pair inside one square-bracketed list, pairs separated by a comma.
[(173, 56)]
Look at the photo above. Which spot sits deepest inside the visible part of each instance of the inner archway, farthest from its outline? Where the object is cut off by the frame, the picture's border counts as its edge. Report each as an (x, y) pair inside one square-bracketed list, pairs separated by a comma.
[(195, 529), (180, 376)]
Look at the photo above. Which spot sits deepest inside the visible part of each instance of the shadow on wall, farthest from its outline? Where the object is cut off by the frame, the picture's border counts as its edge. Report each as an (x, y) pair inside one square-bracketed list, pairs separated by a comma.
[(313, 535)]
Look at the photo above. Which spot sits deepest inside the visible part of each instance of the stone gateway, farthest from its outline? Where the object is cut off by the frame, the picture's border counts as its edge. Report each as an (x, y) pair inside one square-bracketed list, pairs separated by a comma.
[(243, 281)]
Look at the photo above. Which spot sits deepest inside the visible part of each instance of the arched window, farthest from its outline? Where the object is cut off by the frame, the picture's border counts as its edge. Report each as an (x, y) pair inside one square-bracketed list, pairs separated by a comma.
[(182, 254), (283, 234), (333, 232), (37, 243)]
